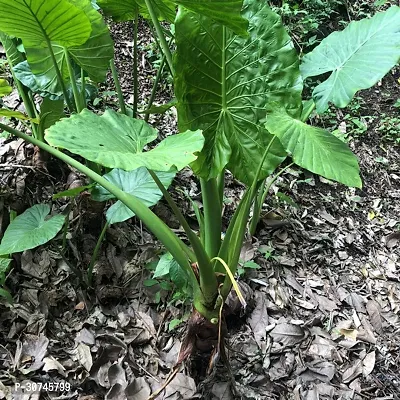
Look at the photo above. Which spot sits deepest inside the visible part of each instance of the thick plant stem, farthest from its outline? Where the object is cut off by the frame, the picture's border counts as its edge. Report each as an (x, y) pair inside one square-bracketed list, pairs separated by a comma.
[(10, 48), (221, 186), (231, 247), (212, 216), (173, 244), (29, 106), (118, 87), (208, 280), (83, 87), (135, 64), (154, 88), (59, 76), (262, 195), (95, 254), (161, 37), (77, 96)]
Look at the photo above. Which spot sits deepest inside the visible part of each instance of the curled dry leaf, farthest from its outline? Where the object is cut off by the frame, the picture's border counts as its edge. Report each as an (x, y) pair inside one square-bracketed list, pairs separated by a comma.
[(287, 334), (368, 363), (352, 371), (258, 320), (138, 389), (318, 370), (33, 350), (392, 240)]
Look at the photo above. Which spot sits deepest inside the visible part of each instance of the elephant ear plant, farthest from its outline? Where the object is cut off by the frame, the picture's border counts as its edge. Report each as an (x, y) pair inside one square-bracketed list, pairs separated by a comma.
[(238, 87)]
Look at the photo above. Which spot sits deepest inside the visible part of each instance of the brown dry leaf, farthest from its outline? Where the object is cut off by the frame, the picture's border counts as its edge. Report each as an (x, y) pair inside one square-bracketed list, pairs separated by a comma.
[(247, 251), (117, 392), (258, 320), (138, 389), (182, 385), (51, 364), (318, 370), (392, 240), (32, 352), (282, 367), (287, 334), (35, 265), (374, 312), (80, 306), (368, 363), (324, 304), (222, 391), (83, 355), (352, 371), (324, 348)]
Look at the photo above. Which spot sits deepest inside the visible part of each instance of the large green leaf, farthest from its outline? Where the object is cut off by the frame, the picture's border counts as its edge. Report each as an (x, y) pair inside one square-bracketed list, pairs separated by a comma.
[(315, 149), (93, 56), (125, 10), (225, 12), (358, 57), (39, 21), (117, 141), (223, 83), (30, 229), (138, 183), (44, 80), (13, 55), (47, 85), (5, 88)]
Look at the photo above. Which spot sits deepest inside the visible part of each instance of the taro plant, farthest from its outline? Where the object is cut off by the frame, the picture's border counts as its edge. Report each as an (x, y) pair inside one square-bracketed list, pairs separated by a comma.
[(238, 84), (31, 229)]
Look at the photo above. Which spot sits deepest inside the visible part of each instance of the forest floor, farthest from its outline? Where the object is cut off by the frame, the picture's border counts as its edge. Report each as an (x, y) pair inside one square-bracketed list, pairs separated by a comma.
[(323, 270)]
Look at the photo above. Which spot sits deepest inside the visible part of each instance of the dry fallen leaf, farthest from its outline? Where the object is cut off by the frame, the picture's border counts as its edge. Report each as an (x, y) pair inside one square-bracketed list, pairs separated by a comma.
[(33, 350), (368, 363), (287, 334), (258, 320)]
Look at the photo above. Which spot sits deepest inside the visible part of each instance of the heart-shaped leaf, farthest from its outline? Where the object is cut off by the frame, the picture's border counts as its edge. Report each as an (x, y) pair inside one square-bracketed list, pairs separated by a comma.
[(93, 56), (138, 183), (38, 22), (30, 229), (314, 148), (117, 141), (358, 57), (223, 83)]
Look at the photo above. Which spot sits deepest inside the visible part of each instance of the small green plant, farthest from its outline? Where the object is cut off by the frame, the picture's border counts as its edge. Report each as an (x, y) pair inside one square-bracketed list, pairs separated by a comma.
[(389, 127), (238, 86), (27, 231)]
